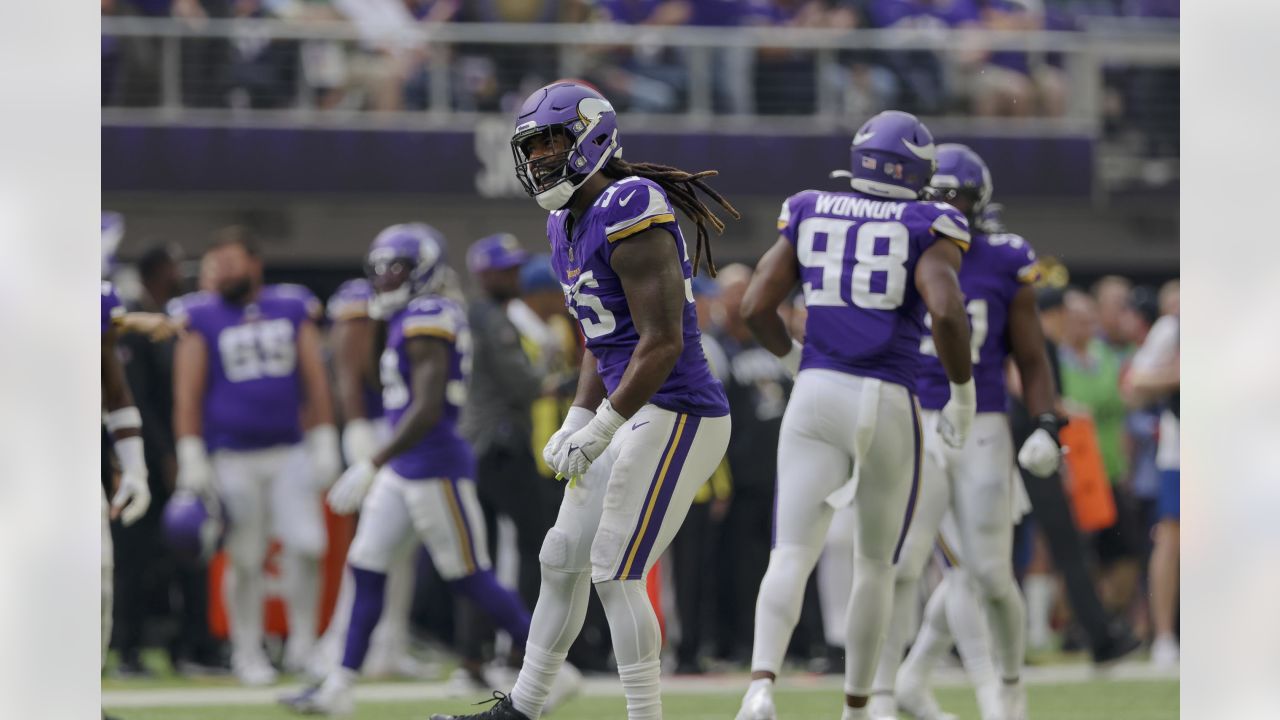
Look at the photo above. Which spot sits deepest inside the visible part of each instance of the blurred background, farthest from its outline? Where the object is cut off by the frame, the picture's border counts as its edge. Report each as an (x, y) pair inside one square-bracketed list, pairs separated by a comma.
[(316, 123)]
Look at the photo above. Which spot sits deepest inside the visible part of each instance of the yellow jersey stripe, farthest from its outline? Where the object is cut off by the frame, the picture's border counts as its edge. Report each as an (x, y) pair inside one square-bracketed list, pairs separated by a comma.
[(642, 225), (428, 332)]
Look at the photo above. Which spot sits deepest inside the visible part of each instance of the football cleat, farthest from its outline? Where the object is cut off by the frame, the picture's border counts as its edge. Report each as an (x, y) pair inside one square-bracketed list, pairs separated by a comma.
[(757, 704), (500, 709), (918, 701), (324, 699), (1014, 698), (882, 706)]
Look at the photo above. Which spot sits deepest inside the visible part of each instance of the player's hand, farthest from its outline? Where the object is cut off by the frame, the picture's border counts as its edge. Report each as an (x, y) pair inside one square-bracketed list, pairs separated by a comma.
[(577, 418), (326, 460), (583, 447), (348, 493), (133, 497), (1041, 454), (791, 361), (195, 472), (957, 415)]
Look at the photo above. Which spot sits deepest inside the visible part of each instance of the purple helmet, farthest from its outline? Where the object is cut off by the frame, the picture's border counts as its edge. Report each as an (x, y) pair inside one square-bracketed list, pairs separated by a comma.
[(403, 262), (961, 170), (496, 252), (191, 529), (581, 114), (893, 156), (112, 233)]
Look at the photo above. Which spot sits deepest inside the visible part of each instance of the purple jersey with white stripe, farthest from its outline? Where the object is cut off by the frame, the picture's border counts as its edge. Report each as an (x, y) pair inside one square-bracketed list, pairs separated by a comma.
[(995, 268), (253, 392), (442, 453), (593, 292), (351, 302), (112, 308), (857, 256)]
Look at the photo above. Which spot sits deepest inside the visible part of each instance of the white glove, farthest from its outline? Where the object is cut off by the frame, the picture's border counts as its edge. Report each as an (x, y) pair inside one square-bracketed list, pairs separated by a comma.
[(582, 447), (577, 419), (791, 361), (348, 493), (326, 460), (133, 497), (195, 473), (957, 415), (1040, 454), (359, 440)]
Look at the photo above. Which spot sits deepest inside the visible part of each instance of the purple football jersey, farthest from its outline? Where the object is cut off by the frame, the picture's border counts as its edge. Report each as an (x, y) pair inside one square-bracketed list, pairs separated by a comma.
[(442, 453), (112, 308), (351, 302), (857, 256), (593, 293), (994, 269), (253, 392)]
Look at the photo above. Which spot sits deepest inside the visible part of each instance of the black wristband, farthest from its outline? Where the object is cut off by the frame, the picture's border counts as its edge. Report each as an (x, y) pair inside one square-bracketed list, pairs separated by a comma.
[(1051, 423)]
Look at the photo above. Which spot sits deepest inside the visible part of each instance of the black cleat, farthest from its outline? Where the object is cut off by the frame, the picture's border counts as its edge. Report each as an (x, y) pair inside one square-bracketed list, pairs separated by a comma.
[(1118, 644), (501, 709)]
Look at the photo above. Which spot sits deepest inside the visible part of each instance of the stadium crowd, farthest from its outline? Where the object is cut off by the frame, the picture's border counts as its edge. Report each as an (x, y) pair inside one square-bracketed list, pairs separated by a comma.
[(1114, 348), (391, 67)]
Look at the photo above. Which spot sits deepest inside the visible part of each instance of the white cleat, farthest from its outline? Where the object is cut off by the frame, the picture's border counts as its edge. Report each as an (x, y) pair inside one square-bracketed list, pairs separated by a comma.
[(567, 685), (757, 704), (1014, 700), (918, 702), (990, 701), (254, 671), (1164, 653), (882, 706), (324, 699)]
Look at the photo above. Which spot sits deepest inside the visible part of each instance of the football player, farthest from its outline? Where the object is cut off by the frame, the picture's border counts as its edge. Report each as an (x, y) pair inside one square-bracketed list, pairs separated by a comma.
[(352, 340), (650, 422), (870, 262), (421, 481), (245, 374), (977, 483)]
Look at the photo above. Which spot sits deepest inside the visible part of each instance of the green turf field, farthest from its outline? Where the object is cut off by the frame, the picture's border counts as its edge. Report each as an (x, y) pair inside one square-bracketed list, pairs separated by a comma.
[(1098, 700)]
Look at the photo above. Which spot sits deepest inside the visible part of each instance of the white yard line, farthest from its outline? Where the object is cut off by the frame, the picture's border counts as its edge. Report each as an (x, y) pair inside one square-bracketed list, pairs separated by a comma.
[(605, 686)]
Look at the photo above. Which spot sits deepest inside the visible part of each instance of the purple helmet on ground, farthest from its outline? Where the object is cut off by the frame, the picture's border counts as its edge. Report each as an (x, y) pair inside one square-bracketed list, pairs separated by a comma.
[(495, 252), (962, 171), (579, 114), (893, 156), (404, 262), (190, 528)]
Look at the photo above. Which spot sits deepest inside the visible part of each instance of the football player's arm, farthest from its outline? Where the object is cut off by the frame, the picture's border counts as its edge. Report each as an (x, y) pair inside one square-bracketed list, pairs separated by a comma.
[(590, 387), (429, 358), (351, 359), (772, 282), (315, 381), (648, 265), (115, 391), (1030, 355), (132, 497), (190, 372), (939, 285)]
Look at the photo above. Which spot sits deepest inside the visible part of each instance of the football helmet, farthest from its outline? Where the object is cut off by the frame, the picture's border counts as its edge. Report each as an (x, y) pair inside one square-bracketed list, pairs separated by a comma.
[(583, 117), (404, 262), (961, 171), (193, 530), (893, 156)]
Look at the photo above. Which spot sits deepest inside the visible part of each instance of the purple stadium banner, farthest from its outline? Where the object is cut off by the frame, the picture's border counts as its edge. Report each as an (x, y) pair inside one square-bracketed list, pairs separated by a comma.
[(220, 159)]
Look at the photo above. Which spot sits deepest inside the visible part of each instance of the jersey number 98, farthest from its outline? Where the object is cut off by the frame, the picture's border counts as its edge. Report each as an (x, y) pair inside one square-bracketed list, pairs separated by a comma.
[(877, 277)]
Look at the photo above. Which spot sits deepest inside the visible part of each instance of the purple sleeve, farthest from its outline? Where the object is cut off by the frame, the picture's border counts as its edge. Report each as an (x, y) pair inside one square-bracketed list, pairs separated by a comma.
[(631, 207), (112, 308), (350, 300), (1018, 258), (794, 210), (932, 221)]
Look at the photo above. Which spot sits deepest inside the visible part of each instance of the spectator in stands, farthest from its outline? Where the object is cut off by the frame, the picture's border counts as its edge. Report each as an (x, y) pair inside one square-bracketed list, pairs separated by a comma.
[(923, 75), (648, 78), (1141, 423), (391, 52), (1091, 384), (786, 80), (1016, 84)]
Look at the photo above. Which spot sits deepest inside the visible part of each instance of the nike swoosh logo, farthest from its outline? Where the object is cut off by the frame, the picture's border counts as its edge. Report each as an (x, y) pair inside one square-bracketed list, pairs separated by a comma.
[(623, 202), (637, 425), (572, 448), (863, 137)]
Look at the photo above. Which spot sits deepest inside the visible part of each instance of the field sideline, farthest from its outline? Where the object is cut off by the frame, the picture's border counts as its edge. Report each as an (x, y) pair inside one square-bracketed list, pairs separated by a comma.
[(1133, 691)]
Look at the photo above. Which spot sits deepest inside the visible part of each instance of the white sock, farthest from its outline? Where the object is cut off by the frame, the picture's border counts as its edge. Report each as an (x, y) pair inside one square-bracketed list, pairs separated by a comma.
[(855, 713), (778, 604), (244, 600), (301, 575), (557, 620), (895, 643), (870, 608), (967, 622), (640, 683), (341, 678), (1040, 590), (931, 644)]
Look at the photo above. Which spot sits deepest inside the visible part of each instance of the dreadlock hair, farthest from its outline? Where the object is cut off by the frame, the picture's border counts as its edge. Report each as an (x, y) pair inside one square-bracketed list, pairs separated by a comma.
[(680, 186)]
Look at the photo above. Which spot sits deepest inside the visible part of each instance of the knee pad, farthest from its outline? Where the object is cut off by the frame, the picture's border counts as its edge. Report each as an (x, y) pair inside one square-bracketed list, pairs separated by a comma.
[(991, 578), (558, 551), (606, 550)]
